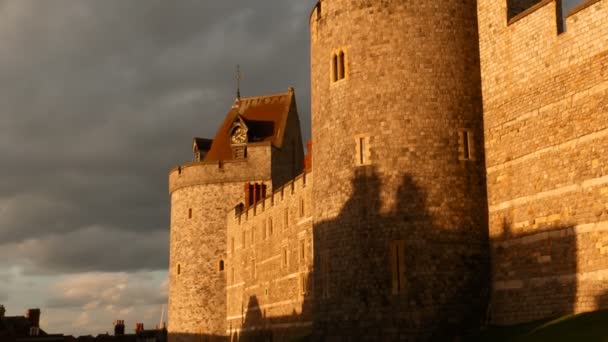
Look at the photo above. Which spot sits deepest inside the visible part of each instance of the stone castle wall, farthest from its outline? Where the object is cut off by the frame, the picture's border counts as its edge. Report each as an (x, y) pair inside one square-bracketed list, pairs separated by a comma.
[(546, 139), (201, 194), (411, 89), (269, 264)]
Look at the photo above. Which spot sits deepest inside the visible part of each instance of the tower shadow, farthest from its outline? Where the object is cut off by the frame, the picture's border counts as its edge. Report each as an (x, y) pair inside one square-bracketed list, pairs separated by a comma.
[(397, 275)]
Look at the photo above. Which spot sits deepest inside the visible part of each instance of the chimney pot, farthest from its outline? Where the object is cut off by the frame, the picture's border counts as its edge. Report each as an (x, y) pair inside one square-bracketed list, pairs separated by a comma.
[(33, 316)]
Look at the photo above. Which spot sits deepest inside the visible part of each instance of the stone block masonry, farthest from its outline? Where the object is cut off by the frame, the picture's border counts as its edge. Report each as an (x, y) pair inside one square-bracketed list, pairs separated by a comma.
[(546, 137)]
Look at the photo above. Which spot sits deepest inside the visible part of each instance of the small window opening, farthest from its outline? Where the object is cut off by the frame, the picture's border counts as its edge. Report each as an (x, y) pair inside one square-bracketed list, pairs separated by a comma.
[(341, 70), (264, 234), (466, 145), (303, 283), (270, 226), (221, 266), (190, 213), (397, 261), (467, 148), (334, 68), (361, 151), (179, 269), (319, 10), (302, 251), (285, 257), (286, 218), (301, 207)]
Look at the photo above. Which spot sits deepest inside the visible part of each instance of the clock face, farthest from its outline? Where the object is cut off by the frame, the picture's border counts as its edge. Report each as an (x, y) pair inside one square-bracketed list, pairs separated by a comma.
[(239, 136)]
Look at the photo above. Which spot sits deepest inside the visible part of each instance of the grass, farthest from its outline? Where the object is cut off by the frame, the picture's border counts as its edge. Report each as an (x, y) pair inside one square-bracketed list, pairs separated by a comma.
[(587, 327)]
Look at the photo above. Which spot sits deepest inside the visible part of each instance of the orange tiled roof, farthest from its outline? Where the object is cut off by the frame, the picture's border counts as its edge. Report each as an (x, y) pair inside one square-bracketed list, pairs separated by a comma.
[(265, 117)]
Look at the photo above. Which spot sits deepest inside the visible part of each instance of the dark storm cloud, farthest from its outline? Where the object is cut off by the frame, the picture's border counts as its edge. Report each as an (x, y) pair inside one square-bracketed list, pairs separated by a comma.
[(100, 99), (89, 249)]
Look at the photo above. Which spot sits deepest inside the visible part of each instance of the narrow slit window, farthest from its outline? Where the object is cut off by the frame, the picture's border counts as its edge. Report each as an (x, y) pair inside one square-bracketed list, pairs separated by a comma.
[(341, 70), (286, 218), (264, 234), (301, 207), (466, 147), (397, 261), (270, 226), (285, 257), (302, 251), (190, 213), (362, 151), (221, 266), (334, 68), (179, 269)]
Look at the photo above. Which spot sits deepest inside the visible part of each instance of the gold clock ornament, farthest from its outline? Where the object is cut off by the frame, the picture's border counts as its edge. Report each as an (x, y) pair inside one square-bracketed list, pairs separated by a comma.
[(239, 136)]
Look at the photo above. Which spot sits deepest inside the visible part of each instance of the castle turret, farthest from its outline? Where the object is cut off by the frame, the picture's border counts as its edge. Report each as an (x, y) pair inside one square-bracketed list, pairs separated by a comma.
[(399, 201), (259, 143)]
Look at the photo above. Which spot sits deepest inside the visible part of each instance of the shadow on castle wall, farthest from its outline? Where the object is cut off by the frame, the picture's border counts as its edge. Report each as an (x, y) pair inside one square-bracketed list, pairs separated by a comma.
[(534, 274), (400, 273), (383, 275)]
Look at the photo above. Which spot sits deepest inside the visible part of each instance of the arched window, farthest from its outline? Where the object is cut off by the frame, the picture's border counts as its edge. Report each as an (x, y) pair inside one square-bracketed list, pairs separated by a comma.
[(338, 66), (221, 265)]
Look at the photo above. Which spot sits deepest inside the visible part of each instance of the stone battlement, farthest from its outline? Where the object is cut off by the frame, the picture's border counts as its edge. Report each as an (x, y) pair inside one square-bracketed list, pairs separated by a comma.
[(293, 188), (256, 166)]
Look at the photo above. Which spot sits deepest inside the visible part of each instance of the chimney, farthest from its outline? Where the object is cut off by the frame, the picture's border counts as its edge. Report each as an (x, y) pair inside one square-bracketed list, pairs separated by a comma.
[(2, 312), (308, 157), (33, 316), (119, 327), (139, 327)]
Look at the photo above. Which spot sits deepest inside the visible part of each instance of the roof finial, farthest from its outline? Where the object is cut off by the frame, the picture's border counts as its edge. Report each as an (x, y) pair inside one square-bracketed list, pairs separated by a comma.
[(238, 82)]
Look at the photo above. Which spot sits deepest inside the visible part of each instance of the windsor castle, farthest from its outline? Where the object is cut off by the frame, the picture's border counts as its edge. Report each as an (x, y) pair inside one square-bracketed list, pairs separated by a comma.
[(457, 176)]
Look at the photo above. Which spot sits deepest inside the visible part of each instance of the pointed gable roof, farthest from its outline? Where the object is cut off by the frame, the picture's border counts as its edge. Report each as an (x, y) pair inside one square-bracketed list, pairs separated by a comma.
[(265, 118)]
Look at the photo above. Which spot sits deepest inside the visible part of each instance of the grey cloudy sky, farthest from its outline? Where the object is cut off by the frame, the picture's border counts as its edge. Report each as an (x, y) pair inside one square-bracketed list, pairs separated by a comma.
[(98, 100)]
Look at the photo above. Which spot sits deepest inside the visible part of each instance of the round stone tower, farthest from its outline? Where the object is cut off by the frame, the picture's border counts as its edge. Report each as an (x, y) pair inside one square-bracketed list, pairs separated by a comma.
[(400, 205)]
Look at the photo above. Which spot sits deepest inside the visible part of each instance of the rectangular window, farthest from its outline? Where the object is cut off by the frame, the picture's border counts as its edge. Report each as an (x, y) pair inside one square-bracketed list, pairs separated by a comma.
[(270, 226), (302, 251), (341, 65), (362, 150), (190, 213), (303, 284), (301, 207), (263, 230), (397, 262), (286, 223), (465, 148), (334, 68)]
